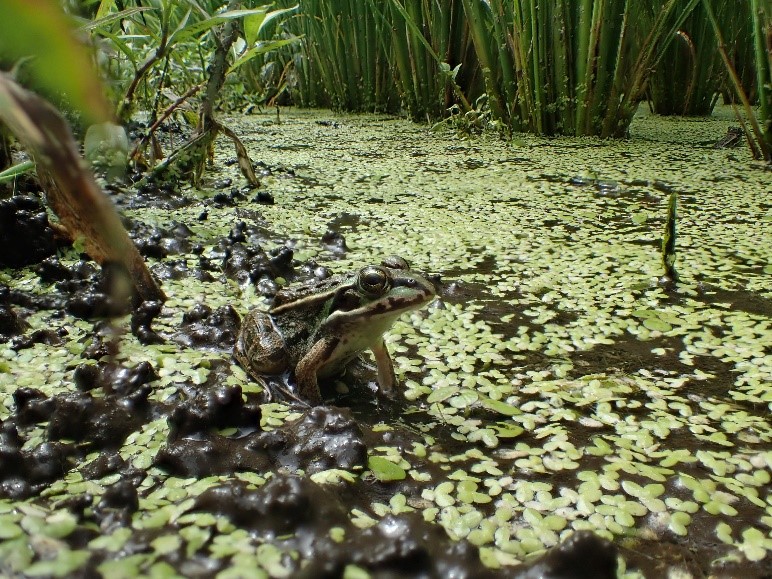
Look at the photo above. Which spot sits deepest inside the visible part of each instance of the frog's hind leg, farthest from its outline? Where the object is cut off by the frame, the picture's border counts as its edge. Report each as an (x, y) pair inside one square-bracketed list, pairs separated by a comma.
[(308, 367), (260, 347)]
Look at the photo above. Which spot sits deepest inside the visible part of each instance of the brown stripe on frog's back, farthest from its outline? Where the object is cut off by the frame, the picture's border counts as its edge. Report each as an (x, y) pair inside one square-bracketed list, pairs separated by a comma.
[(310, 294)]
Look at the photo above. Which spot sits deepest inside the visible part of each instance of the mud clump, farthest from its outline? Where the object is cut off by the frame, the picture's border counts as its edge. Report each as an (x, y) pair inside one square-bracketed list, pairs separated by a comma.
[(194, 448), (584, 555), (204, 327), (98, 422), (398, 546), (161, 242), (322, 439), (334, 241), (26, 236), (10, 322), (285, 504), (243, 258), (90, 422), (131, 384), (102, 293), (141, 319), (24, 472), (219, 408), (215, 454), (117, 504)]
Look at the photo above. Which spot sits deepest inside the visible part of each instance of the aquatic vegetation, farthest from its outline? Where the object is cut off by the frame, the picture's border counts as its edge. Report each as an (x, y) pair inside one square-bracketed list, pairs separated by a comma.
[(760, 132), (556, 387), (571, 68), (430, 46), (669, 239), (563, 404), (345, 59), (689, 75)]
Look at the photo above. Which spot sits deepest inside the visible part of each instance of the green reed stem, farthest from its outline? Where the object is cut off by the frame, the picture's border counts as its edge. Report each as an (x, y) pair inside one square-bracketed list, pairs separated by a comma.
[(760, 137)]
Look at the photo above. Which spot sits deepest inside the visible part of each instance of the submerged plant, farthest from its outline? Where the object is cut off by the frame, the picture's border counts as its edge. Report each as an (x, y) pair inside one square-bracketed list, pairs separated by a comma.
[(669, 239)]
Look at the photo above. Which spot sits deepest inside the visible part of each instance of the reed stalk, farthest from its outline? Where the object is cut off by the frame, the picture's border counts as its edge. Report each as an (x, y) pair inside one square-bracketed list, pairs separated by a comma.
[(344, 60), (761, 10), (573, 67), (495, 59), (737, 28), (688, 81), (760, 132), (430, 42)]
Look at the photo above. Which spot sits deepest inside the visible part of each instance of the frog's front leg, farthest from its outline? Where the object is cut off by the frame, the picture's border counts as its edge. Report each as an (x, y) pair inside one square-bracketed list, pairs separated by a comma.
[(387, 379), (308, 367)]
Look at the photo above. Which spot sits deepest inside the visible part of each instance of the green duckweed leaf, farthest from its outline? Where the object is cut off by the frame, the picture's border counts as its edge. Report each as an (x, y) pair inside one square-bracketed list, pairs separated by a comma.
[(65, 563), (657, 324), (9, 529), (385, 470), (166, 544), (442, 393), (354, 572), (499, 406)]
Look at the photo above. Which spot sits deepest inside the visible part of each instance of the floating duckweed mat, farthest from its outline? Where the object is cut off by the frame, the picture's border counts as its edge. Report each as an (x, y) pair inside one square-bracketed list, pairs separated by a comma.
[(555, 386)]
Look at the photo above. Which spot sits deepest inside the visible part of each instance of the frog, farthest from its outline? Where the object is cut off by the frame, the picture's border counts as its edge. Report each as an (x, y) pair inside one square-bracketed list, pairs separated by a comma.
[(317, 329), (732, 138)]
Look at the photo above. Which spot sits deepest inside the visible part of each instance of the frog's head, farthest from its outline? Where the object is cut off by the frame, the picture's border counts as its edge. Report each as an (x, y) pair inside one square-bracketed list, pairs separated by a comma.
[(379, 294)]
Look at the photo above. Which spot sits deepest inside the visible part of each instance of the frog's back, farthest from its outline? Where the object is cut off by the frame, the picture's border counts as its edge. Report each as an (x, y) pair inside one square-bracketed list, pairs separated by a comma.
[(305, 296)]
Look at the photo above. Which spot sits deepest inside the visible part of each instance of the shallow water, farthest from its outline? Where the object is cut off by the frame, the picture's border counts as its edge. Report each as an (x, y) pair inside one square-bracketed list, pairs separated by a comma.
[(556, 386)]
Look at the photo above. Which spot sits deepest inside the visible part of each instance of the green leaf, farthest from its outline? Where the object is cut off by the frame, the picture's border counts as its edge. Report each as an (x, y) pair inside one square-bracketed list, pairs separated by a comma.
[(385, 470), (166, 544), (113, 542), (61, 64), (19, 169), (657, 324), (464, 399), (442, 393), (191, 31), (499, 406), (60, 524), (103, 21), (261, 48), (9, 529), (63, 565), (254, 24), (504, 430)]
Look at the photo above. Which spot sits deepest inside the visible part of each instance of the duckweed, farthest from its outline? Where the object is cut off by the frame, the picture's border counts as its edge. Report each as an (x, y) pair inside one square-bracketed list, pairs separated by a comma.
[(555, 357)]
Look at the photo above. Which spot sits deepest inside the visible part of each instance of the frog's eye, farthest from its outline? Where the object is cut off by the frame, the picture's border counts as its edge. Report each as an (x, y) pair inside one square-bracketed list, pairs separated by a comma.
[(373, 280)]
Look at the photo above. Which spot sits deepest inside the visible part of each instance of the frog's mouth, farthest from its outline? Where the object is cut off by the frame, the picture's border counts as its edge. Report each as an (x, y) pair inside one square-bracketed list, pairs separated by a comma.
[(384, 311)]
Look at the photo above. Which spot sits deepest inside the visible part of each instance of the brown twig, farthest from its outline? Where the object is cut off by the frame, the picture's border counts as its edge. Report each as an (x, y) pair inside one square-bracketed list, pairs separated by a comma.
[(164, 115)]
